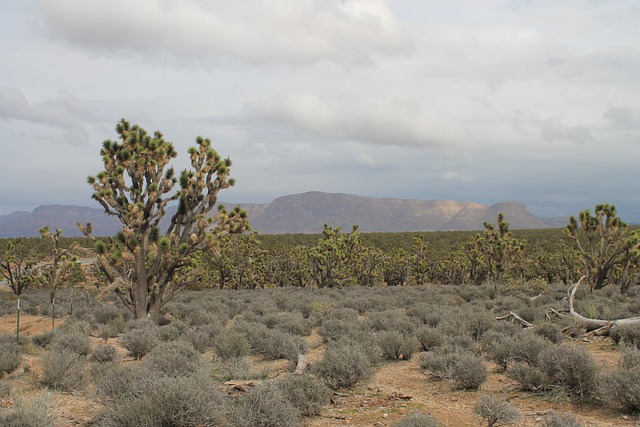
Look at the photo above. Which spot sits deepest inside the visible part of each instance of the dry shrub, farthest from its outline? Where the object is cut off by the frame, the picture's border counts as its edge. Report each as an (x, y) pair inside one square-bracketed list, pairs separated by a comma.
[(165, 401), (417, 419), (231, 344), (63, 370), (34, 413), (263, 406), (572, 368), (531, 378), (140, 341), (104, 353), (173, 359), (496, 411), (9, 354), (469, 372), (429, 338), (306, 393), (344, 365), (559, 419), (74, 341), (523, 347), (395, 346), (621, 387)]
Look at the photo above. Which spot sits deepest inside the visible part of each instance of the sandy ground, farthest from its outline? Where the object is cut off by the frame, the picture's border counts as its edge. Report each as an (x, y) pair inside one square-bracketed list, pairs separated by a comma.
[(395, 390)]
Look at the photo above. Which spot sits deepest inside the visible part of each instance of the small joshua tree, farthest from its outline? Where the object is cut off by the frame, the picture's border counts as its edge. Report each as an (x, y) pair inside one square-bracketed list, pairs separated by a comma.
[(146, 267), (61, 260), (496, 249), (20, 269)]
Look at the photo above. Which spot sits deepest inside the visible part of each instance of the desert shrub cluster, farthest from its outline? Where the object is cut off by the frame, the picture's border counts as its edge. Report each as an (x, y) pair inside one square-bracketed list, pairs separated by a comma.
[(207, 337), (10, 354)]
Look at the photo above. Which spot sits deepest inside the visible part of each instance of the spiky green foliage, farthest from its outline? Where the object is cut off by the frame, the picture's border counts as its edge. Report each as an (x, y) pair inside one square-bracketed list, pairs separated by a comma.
[(18, 266), (237, 262), (336, 260), (492, 253), (145, 266), (606, 246)]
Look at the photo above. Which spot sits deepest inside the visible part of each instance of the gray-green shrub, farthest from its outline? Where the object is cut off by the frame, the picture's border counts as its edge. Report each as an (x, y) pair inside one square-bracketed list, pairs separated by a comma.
[(570, 367), (343, 365), (560, 419), (306, 393), (417, 419), (103, 353), (9, 354), (550, 331), (523, 347), (395, 346), (621, 387), (494, 410), (231, 344), (628, 334), (429, 338), (440, 362), (34, 413), (530, 378), (73, 341), (44, 339), (166, 401), (469, 372), (63, 370), (140, 341), (263, 406), (174, 359)]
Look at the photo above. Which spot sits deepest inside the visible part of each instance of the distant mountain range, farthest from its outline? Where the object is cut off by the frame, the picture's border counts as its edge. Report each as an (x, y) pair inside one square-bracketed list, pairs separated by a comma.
[(306, 213)]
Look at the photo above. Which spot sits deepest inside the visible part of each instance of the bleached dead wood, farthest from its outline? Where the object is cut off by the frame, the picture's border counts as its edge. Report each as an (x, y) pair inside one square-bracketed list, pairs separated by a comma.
[(515, 318), (302, 364), (597, 326)]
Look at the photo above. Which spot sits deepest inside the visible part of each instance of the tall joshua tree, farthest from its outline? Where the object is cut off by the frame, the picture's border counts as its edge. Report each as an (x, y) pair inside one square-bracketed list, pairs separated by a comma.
[(605, 244), (145, 266)]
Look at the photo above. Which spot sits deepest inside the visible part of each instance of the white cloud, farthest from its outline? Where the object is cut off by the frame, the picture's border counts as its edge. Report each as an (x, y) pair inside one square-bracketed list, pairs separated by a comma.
[(366, 159), (253, 31), (456, 176), (394, 121), (14, 105), (624, 118), (552, 128)]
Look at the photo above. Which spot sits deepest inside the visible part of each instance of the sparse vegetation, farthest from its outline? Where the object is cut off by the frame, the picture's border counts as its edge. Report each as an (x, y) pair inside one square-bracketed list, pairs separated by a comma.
[(496, 411), (246, 337), (9, 354)]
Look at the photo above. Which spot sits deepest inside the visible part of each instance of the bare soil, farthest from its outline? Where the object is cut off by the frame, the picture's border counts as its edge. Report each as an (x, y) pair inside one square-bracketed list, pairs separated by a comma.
[(395, 390)]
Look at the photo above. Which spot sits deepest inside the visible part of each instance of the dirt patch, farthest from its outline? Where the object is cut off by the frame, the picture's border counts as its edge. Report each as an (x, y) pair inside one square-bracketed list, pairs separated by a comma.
[(29, 325), (401, 387), (395, 390)]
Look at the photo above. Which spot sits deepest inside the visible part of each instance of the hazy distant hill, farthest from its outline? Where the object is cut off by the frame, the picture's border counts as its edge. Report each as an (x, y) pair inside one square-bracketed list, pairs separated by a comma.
[(306, 213)]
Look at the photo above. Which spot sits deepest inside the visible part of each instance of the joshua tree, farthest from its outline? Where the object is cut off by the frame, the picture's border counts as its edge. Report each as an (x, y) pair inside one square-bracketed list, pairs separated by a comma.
[(146, 267), (19, 268), (335, 256), (604, 243), (61, 260), (497, 248)]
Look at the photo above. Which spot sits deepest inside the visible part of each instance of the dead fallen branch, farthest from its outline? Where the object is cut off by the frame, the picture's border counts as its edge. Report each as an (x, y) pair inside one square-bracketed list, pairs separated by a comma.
[(596, 326), (515, 318)]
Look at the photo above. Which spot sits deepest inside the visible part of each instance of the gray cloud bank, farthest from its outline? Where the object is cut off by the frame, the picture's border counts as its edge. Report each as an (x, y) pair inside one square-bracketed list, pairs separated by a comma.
[(478, 101)]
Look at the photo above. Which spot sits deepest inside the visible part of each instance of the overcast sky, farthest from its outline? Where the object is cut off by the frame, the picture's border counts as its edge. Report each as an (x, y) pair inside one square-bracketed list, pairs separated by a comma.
[(483, 101)]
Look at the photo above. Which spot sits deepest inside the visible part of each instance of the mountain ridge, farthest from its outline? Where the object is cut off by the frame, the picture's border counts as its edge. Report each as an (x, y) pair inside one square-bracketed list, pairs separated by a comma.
[(306, 213)]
